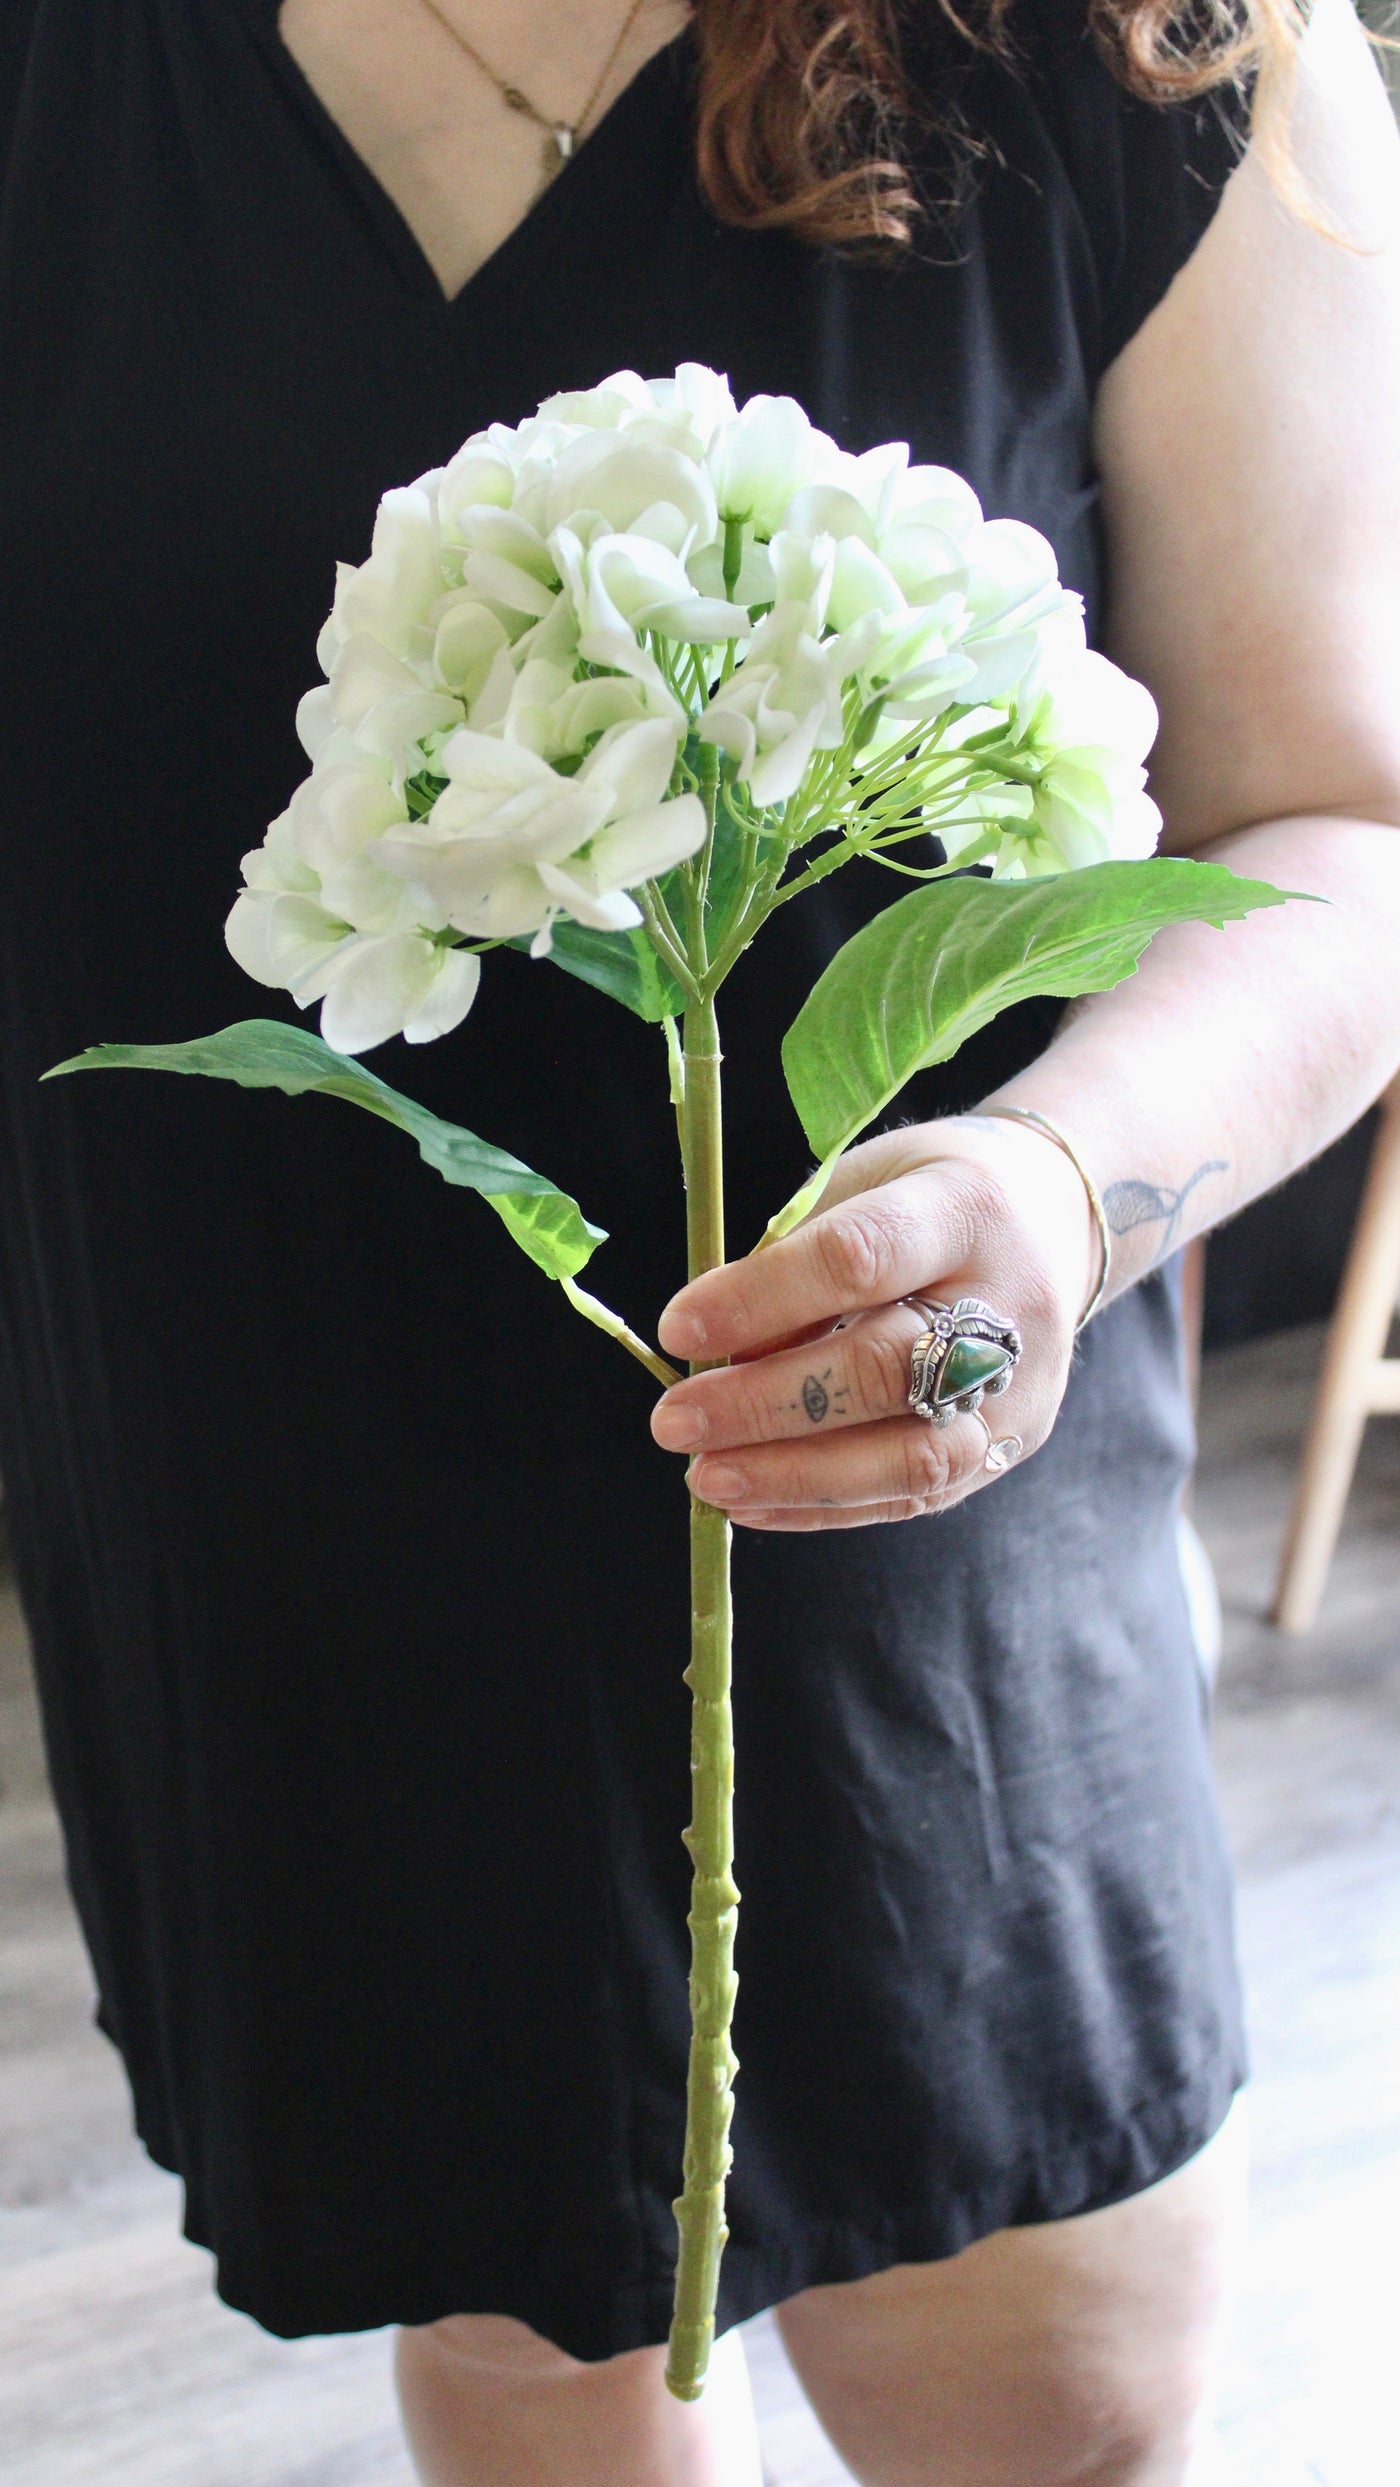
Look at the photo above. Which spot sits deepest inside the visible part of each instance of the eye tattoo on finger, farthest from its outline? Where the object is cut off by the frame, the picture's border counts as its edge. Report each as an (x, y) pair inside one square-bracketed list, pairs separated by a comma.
[(817, 1400)]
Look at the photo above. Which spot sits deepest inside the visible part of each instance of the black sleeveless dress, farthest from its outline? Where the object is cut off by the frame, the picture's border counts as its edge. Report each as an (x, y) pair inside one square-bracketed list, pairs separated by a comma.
[(357, 1588)]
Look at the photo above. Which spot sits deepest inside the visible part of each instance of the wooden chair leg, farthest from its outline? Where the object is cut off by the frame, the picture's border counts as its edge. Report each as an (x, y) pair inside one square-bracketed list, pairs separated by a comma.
[(1346, 1392)]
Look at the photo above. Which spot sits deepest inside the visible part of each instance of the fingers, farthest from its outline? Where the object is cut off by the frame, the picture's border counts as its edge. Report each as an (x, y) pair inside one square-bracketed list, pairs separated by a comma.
[(851, 1376), (806, 1427), (866, 1251), (805, 1523), (902, 1459)]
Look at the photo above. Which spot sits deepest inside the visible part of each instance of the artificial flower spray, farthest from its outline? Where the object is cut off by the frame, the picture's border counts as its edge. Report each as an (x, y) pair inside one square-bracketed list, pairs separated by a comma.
[(614, 685)]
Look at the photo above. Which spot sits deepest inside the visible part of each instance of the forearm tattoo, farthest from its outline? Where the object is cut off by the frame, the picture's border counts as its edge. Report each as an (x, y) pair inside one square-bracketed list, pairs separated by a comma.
[(1137, 1203)]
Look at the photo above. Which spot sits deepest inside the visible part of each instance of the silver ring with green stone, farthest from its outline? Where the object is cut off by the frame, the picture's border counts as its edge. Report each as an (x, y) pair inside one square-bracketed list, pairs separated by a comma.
[(967, 1353)]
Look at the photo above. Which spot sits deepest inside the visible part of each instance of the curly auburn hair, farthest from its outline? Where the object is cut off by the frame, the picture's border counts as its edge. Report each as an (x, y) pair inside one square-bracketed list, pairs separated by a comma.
[(801, 100)]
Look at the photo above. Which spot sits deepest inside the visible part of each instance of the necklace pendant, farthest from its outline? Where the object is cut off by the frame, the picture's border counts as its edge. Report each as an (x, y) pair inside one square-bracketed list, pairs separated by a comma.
[(563, 140)]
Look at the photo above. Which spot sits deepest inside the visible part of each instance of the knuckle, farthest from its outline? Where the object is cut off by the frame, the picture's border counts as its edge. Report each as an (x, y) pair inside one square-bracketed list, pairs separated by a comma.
[(983, 1200), (883, 1373), (853, 1250), (923, 1461), (869, 1249)]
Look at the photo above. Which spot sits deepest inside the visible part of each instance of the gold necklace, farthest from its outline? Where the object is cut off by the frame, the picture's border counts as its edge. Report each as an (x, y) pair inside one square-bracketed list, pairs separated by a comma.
[(561, 137)]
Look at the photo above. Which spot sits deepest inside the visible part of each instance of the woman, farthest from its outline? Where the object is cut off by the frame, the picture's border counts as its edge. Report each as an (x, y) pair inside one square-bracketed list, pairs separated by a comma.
[(360, 1667)]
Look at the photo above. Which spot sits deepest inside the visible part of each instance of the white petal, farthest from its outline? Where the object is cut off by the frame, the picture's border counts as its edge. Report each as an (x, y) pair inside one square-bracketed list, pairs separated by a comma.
[(732, 730), (634, 762), (468, 637), (824, 509), (608, 911), (507, 535), (478, 474), (602, 408), (1094, 702), (590, 707), (802, 571), (390, 594), (285, 941), (926, 561), (755, 583), (761, 459), (933, 496), (507, 583), (374, 989), (366, 672), (777, 773), (860, 584), (315, 719), (361, 893), (1000, 663), (246, 933), (621, 477), (448, 999), (1011, 564), (282, 862), (647, 842)]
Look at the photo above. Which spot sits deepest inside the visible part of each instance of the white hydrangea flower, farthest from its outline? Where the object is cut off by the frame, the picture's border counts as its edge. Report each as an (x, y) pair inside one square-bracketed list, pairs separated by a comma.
[(1089, 727), (963, 600), (395, 984), (319, 917), (373, 703), (558, 718), (512, 671), (622, 586), (511, 843), (389, 595), (783, 700)]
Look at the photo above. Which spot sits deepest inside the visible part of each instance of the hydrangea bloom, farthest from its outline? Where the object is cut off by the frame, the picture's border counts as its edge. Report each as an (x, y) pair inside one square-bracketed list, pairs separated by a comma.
[(1082, 740), (521, 676)]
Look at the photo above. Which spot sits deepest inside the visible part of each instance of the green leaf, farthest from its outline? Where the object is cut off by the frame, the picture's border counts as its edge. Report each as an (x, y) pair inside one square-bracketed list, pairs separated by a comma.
[(265, 1053), (623, 965), (912, 985)]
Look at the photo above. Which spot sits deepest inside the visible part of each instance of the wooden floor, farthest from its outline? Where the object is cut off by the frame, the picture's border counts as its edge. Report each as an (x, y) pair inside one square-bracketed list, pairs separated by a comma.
[(118, 2366)]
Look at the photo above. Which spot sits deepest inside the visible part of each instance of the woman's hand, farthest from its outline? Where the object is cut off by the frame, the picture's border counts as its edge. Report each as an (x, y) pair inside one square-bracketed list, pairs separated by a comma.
[(809, 1426)]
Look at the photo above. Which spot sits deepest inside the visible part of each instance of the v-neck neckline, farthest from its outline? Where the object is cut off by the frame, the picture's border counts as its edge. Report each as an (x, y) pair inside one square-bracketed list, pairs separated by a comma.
[(402, 244)]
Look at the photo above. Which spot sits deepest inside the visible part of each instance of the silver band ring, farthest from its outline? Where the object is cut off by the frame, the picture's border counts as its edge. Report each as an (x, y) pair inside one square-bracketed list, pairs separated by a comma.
[(1002, 1451), (967, 1353)]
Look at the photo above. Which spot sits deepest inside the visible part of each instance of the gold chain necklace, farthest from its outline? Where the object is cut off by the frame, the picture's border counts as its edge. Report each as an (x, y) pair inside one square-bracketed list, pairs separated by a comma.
[(561, 137)]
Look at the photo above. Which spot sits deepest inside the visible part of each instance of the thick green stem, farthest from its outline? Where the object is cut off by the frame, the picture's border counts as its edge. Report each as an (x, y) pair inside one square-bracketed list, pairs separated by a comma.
[(710, 1839)]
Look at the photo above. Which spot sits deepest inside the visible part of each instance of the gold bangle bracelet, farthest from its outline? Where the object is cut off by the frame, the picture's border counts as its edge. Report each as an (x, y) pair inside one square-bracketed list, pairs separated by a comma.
[(1052, 1131)]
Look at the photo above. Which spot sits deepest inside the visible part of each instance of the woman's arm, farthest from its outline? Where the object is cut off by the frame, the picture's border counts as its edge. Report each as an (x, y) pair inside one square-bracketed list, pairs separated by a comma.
[(1249, 441)]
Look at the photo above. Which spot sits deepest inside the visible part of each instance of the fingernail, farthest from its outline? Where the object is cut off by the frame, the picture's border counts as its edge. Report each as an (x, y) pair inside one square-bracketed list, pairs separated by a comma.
[(677, 1425), (717, 1484), (682, 1334)]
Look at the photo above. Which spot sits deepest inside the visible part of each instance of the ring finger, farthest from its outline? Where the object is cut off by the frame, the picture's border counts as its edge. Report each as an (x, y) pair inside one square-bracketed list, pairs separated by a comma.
[(854, 1375), (898, 1459)]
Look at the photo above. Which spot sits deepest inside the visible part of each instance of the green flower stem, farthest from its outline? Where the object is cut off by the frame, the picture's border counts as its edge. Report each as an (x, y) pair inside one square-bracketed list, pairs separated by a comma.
[(665, 939), (603, 1318), (707, 778), (710, 1839)]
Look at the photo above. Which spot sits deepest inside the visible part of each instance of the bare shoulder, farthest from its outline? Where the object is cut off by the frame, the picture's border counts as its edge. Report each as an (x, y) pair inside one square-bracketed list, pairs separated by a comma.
[(1249, 443)]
